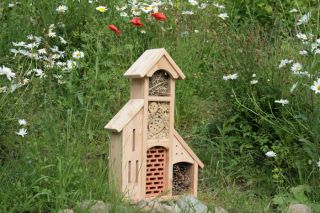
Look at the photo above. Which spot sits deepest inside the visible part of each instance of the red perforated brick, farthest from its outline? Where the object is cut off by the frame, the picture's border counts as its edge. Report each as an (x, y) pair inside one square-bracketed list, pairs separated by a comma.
[(156, 171)]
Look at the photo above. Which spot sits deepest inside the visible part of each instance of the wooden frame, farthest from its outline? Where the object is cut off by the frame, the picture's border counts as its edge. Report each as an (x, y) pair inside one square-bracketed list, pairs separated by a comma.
[(129, 140)]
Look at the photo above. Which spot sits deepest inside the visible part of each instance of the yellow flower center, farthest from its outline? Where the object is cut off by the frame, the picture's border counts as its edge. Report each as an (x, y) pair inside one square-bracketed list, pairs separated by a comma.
[(318, 87)]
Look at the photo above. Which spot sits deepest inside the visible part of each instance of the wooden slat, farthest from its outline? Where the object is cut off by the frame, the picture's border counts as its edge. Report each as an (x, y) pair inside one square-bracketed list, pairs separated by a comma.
[(115, 160), (128, 111), (159, 98)]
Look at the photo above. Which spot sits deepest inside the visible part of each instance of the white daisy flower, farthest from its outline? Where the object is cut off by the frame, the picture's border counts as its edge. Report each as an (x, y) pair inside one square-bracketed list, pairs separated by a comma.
[(124, 14), (51, 33), (219, 6), (19, 44), (282, 101), (318, 163), (118, 8), (316, 86), (223, 16), (8, 72), (296, 67), (61, 8), (303, 52), (62, 40), (22, 132), (302, 36), (136, 11), (77, 54), (230, 77), (11, 5), (254, 82), (39, 73), (22, 122), (304, 19), (14, 51), (146, 9), (254, 75), (3, 89), (203, 6), (314, 46), (154, 7), (71, 64), (193, 2), (25, 81), (42, 51), (30, 37), (187, 12), (102, 9), (196, 31), (284, 62), (302, 73), (271, 154)]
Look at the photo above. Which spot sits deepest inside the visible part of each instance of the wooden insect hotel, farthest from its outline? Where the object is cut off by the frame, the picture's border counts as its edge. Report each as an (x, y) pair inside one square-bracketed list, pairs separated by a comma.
[(147, 156)]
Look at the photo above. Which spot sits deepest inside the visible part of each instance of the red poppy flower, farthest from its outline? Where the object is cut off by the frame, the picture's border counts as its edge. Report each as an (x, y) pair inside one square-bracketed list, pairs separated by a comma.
[(136, 22), (159, 16), (114, 29)]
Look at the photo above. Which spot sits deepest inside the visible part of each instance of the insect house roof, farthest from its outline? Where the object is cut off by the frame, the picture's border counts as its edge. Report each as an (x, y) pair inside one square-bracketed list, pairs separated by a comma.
[(126, 114), (149, 60)]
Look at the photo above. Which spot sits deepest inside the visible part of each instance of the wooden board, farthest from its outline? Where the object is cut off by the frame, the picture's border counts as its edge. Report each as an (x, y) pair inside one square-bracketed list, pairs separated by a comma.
[(132, 157), (115, 160), (137, 88)]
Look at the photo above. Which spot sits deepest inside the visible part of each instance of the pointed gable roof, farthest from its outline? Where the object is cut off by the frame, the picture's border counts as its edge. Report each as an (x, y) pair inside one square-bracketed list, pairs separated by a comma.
[(188, 149), (126, 114), (147, 62)]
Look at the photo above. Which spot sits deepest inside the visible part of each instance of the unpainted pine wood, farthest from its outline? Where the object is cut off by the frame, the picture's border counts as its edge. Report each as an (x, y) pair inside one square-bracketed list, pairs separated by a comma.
[(137, 88), (161, 142), (159, 98), (115, 160), (163, 64), (171, 133), (148, 59), (127, 112), (145, 137), (188, 149), (175, 66), (180, 154), (194, 179), (132, 156), (141, 66)]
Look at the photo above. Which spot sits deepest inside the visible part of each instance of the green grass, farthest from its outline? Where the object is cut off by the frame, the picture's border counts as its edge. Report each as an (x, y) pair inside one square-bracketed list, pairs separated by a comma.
[(230, 124)]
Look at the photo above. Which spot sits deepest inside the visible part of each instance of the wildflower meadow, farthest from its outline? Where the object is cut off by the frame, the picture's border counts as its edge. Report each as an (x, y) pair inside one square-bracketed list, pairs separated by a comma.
[(249, 107)]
